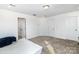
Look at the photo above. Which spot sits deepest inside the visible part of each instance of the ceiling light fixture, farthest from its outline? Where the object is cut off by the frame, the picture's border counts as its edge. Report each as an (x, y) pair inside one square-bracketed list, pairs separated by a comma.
[(46, 6), (11, 5)]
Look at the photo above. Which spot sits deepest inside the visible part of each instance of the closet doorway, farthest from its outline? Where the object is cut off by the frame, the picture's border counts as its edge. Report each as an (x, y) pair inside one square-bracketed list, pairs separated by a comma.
[(21, 28)]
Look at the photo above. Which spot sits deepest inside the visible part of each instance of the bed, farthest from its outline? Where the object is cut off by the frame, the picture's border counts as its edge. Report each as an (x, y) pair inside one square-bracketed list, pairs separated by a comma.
[(22, 46)]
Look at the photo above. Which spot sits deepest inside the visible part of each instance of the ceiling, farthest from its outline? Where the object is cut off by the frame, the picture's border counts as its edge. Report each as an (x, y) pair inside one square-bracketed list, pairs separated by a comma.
[(38, 10)]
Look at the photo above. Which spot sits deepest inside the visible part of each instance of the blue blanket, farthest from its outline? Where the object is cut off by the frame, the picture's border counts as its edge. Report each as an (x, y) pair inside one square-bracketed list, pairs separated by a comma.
[(7, 41)]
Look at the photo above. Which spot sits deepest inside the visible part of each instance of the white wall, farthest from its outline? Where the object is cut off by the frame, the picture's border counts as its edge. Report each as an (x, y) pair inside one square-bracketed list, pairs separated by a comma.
[(32, 27), (59, 24), (43, 26), (8, 24), (35, 26)]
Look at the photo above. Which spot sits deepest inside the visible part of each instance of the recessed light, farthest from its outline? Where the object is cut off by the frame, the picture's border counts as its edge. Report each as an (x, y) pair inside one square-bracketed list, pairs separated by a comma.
[(11, 5), (46, 6)]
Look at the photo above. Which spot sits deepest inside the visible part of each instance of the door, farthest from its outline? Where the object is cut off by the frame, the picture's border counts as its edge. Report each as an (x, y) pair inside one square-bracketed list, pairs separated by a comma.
[(21, 28), (71, 27)]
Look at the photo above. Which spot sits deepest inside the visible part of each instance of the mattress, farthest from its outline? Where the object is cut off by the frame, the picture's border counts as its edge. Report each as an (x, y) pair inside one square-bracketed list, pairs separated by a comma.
[(22, 46)]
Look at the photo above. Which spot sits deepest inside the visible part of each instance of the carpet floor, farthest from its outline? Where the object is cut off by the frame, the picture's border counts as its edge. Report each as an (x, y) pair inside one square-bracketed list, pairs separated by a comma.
[(60, 46)]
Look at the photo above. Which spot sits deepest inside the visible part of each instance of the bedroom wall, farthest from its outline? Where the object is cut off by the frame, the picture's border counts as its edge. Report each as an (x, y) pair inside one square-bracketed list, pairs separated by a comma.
[(58, 25), (43, 26), (35, 26), (8, 24)]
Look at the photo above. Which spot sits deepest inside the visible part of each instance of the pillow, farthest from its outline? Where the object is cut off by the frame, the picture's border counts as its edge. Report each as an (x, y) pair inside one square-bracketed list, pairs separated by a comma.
[(7, 41)]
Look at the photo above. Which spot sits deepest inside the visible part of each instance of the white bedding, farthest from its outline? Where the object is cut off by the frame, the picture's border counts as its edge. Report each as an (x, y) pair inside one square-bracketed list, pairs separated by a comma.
[(21, 47)]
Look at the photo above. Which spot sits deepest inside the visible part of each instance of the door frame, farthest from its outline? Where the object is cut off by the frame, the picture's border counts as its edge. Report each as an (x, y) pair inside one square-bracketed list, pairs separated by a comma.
[(18, 26)]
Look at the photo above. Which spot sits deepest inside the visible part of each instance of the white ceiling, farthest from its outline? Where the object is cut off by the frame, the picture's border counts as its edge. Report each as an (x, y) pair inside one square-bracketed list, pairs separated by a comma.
[(37, 9)]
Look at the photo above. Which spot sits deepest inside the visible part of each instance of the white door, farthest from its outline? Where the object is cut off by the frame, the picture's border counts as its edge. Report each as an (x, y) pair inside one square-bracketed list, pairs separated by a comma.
[(71, 27)]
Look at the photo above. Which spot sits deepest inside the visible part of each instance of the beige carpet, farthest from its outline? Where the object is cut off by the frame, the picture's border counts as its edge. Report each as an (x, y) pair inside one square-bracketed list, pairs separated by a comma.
[(58, 46)]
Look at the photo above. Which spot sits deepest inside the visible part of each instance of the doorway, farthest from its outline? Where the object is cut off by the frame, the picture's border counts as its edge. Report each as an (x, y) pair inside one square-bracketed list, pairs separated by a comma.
[(21, 28)]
